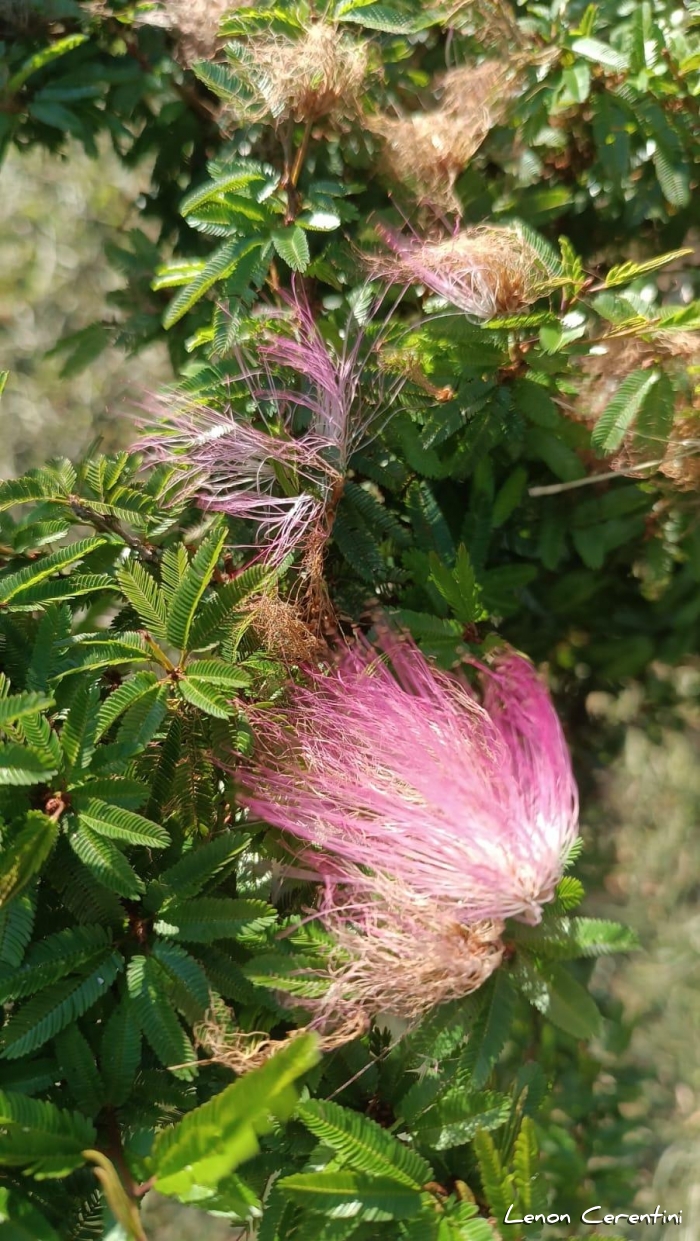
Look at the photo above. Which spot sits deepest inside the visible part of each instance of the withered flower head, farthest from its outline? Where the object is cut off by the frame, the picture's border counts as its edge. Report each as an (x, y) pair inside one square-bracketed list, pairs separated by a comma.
[(484, 272), (429, 150), (282, 629), (491, 22), (195, 23), (617, 357), (319, 74)]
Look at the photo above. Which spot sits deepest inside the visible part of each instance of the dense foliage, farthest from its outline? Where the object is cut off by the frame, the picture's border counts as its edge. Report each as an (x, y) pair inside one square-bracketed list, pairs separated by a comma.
[(517, 456)]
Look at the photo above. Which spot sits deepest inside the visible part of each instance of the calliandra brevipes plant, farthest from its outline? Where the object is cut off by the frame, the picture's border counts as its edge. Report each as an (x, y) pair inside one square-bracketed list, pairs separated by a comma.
[(136, 919), (154, 934), (432, 814)]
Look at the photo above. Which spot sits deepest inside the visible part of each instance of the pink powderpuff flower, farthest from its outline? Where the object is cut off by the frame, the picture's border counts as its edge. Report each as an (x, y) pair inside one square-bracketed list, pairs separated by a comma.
[(404, 778), (429, 813), (346, 407), (331, 391)]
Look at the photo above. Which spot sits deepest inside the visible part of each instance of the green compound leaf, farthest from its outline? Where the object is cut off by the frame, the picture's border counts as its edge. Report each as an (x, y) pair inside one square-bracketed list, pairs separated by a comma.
[(211, 1142), (57, 1007), (292, 246), (13, 586), (26, 853), (185, 599), (620, 413), (21, 766), (120, 1053), (116, 823), (150, 1001), (44, 1139), (105, 861), (558, 996), (362, 1144), (343, 1194), (208, 918)]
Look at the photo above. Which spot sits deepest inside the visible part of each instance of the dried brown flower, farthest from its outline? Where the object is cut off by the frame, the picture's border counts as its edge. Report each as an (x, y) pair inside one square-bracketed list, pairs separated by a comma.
[(197, 23), (242, 1051), (618, 356), (280, 626), (413, 957), (681, 463), (429, 150), (319, 74), (604, 370), (406, 958), (492, 22)]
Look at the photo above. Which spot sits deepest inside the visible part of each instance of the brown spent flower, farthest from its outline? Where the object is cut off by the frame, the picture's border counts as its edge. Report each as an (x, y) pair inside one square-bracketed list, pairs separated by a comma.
[(429, 150), (391, 973), (280, 626), (492, 22), (681, 463), (396, 970), (319, 74), (484, 272), (602, 372), (617, 356), (240, 1050), (197, 23)]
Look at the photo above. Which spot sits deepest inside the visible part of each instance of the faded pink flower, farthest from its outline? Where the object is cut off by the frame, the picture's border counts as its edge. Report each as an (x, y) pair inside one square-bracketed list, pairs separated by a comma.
[(284, 481), (248, 472), (331, 383), (395, 952), (405, 780), (484, 272)]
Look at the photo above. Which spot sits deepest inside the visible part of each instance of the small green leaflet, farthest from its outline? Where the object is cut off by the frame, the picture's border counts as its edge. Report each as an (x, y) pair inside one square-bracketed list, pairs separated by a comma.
[(292, 246), (619, 414), (20, 765), (13, 585), (343, 1195)]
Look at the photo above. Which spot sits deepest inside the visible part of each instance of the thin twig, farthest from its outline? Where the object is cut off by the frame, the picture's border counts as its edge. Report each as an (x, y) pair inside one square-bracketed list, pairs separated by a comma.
[(553, 489)]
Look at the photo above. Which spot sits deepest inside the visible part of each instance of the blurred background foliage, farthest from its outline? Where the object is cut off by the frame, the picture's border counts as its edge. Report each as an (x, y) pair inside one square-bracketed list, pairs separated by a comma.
[(606, 154), (57, 217)]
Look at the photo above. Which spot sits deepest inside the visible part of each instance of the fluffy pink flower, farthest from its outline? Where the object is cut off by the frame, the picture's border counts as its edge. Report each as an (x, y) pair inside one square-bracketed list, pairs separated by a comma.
[(331, 391), (404, 779)]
